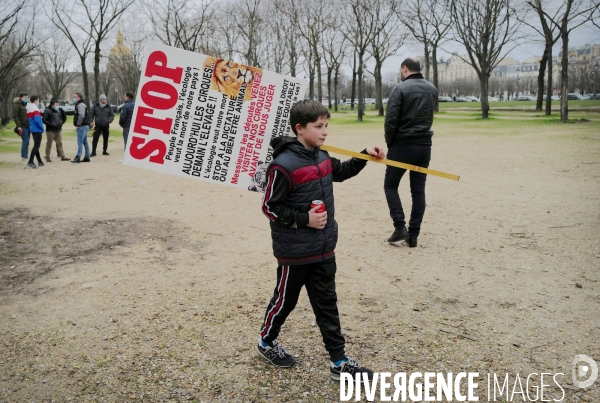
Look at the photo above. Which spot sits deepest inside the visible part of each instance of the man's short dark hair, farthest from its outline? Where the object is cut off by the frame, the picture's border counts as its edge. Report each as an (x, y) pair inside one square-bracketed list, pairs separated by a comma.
[(307, 111), (79, 95), (129, 95), (53, 101), (34, 98), (412, 65), (23, 94)]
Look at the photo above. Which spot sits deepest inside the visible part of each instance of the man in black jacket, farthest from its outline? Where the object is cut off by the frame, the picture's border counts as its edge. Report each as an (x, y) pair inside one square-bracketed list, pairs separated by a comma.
[(126, 116), (102, 117), (408, 121), (54, 118)]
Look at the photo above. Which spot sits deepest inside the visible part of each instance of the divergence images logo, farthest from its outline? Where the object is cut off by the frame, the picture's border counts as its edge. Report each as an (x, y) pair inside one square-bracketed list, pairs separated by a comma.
[(584, 367)]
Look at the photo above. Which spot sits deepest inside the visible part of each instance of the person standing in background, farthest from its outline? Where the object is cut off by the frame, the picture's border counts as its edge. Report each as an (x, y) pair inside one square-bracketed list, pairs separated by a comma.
[(54, 120), (82, 120), (125, 118), (102, 117), (20, 119), (408, 121), (36, 126)]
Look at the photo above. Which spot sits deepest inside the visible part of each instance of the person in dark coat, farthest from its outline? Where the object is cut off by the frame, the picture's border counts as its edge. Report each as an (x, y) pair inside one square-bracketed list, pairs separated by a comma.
[(20, 119), (102, 117), (54, 118), (126, 116)]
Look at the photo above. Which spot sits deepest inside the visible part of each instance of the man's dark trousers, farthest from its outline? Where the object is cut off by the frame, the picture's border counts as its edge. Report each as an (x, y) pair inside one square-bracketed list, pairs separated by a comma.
[(414, 154), (97, 131), (319, 279)]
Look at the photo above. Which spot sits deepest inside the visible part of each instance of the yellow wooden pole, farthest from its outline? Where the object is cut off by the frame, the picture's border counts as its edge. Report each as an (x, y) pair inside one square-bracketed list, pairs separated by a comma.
[(389, 162)]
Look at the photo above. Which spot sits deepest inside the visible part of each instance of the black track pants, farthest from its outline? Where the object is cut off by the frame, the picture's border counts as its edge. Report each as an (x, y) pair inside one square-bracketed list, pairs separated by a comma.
[(319, 279)]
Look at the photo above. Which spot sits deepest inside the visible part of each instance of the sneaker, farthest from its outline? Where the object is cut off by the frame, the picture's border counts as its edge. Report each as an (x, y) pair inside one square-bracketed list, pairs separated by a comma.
[(93, 154), (86, 159), (398, 235), (411, 241), (76, 159), (24, 160), (31, 165), (105, 153), (275, 354), (351, 367), (40, 164)]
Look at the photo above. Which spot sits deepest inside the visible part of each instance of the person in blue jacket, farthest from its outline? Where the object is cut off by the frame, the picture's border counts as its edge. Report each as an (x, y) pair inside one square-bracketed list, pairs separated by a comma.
[(36, 127)]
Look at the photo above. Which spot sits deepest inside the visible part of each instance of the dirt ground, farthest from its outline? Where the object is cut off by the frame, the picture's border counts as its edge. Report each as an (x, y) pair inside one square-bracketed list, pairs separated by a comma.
[(118, 284)]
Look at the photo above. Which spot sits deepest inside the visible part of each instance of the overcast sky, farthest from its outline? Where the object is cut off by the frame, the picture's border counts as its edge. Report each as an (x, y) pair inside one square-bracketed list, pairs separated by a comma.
[(579, 37)]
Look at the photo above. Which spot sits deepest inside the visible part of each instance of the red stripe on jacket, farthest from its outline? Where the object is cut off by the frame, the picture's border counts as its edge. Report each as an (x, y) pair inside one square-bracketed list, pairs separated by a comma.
[(30, 115), (311, 172)]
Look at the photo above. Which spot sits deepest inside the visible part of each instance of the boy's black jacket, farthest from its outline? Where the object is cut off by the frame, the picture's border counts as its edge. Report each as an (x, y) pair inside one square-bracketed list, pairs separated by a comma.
[(296, 177)]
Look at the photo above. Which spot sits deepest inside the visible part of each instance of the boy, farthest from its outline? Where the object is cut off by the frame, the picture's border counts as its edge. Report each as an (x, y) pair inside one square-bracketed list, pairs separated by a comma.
[(304, 240), (36, 127)]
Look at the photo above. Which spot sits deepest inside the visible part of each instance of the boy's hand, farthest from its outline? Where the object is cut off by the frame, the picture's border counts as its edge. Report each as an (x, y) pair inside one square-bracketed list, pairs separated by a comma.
[(376, 151), (317, 220)]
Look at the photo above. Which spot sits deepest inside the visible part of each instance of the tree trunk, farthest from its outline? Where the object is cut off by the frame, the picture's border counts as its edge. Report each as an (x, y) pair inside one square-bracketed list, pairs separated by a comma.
[(564, 75), (549, 85), (485, 106), (361, 84), (353, 95), (426, 59), (335, 87), (84, 77), (435, 73), (540, 93), (379, 88), (97, 72), (319, 79), (329, 88)]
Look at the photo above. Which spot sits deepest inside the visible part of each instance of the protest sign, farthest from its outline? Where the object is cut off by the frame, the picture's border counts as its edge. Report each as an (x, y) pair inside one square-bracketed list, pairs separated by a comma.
[(208, 118)]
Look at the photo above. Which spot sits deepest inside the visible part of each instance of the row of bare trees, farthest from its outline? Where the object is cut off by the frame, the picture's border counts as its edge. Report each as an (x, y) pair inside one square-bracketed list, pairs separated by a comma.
[(309, 38)]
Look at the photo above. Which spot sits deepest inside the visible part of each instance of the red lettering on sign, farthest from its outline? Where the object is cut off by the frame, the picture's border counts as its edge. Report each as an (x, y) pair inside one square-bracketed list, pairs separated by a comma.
[(157, 66), (159, 94), (144, 121), (139, 150)]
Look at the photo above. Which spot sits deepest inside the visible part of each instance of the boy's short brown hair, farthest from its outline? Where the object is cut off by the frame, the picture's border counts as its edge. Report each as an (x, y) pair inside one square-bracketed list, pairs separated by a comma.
[(307, 111)]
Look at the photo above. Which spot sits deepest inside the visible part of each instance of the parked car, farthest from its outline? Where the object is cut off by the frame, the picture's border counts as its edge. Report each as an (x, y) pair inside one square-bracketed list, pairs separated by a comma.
[(444, 99), (461, 99), (369, 101), (69, 109), (553, 97), (472, 99), (114, 108), (526, 97), (571, 96), (493, 99), (384, 101), (592, 96)]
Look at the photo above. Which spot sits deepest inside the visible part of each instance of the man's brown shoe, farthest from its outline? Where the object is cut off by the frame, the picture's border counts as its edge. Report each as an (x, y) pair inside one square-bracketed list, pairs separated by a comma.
[(48, 159), (64, 159)]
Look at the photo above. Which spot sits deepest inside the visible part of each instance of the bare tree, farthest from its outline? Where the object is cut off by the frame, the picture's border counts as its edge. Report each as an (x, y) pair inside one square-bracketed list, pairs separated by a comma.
[(94, 20), (53, 69), (17, 46), (360, 30), (551, 35), (484, 28), (125, 61), (181, 23), (334, 49), (388, 38), (250, 23), (572, 14)]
